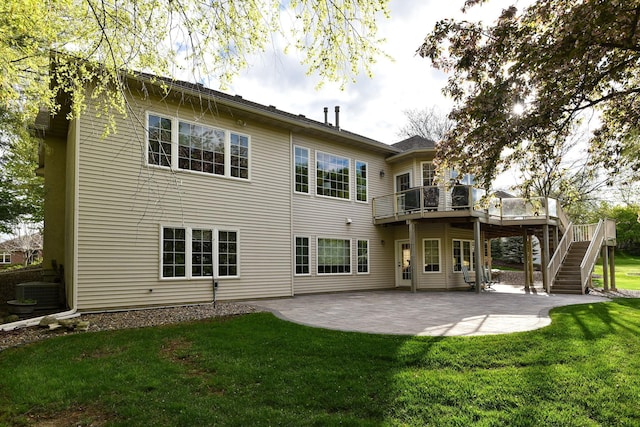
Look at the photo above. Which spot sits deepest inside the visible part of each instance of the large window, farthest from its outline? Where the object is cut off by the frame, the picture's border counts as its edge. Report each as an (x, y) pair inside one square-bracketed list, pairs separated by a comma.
[(301, 166), (182, 145), (302, 255), (201, 148), (5, 258), (463, 254), (332, 176), (431, 251), (363, 256), (334, 256), (190, 252), (361, 181)]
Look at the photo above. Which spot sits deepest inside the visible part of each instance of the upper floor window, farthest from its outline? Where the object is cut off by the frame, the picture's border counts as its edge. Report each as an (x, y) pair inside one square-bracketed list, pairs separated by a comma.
[(200, 148), (301, 172), (428, 174), (159, 141), (361, 181), (239, 156), (332, 176), (181, 145), (464, 179)]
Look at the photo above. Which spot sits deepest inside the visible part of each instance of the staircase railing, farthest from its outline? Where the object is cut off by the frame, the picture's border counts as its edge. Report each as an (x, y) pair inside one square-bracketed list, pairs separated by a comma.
[(558, 256), (590, 257)]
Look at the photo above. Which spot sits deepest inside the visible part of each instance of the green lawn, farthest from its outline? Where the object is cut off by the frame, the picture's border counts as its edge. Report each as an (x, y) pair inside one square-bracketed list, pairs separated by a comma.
[(258, 370), (627, 272)]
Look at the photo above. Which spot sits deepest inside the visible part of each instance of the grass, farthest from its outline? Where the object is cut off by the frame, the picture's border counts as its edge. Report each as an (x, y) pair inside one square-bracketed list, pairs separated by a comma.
[(627, 272), (259, 370)]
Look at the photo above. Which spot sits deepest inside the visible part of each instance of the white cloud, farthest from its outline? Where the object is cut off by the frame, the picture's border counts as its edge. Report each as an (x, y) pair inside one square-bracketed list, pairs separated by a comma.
[(371, 107)]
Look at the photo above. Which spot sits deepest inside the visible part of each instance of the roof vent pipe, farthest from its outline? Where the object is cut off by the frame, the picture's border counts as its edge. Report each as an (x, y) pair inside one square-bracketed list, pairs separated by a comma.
[(326, 115), (337, 117)]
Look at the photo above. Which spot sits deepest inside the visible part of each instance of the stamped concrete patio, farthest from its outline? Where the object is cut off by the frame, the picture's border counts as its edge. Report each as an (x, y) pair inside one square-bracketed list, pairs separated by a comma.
[(505, 309)]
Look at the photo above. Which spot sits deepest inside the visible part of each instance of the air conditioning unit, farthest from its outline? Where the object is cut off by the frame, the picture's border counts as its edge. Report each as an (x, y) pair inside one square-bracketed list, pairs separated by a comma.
[(46, 293)]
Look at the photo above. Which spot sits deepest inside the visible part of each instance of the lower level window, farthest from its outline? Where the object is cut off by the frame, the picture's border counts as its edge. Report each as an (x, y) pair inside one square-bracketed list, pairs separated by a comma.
[(463, 254), (334, 256), (190, 252), (431, 255), (5, 258), (227, 253), (302, 255), (363, 256)]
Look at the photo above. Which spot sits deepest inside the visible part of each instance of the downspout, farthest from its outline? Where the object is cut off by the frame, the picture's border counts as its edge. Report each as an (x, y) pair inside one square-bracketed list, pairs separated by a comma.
[(292, 247), (73, 310)]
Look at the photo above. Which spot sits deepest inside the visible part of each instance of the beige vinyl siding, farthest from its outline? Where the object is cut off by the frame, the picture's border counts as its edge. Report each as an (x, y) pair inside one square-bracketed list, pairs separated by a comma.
[(122, 205), (324, 217), (446, 278)]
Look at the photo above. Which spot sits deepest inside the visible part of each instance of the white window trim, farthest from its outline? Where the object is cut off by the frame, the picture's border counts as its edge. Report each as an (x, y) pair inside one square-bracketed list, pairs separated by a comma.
[(472, 254), (315, 177), (295, 255), (439, 256), (188, 252), (368, 257), (350, 273), (175, 123), (355, 181), (2, 257), (310, 171)]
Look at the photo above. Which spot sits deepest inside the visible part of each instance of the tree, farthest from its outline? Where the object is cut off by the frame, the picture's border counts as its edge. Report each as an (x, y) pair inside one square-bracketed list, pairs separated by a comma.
[(429, 123), (24, 189), (102, 42), (627, 226), (27, 240), (555, 61)]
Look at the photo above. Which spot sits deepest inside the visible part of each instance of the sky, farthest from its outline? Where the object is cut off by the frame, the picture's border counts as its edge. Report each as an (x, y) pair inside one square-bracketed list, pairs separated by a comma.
[(372, 107)]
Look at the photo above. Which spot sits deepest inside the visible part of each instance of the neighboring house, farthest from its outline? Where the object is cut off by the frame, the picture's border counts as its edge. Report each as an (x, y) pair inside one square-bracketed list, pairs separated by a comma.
[(200, 186), (20, 250)]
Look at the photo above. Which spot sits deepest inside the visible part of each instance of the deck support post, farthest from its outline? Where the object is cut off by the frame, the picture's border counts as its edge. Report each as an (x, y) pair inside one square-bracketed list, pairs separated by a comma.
[(605, 267), (612, 266), (546, 280), (413, 247), (478, 248)]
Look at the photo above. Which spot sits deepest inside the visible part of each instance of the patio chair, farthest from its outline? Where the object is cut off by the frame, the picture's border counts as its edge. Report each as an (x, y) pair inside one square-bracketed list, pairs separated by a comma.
[(467, 279), (487, 278)]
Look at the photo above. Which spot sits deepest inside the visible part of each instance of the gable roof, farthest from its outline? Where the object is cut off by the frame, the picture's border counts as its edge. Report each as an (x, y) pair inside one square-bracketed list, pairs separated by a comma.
[(415, 143), (218, 102)]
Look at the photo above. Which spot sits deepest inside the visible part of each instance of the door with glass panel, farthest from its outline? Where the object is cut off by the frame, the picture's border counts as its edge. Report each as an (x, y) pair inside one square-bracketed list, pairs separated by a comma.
[(403, 263)]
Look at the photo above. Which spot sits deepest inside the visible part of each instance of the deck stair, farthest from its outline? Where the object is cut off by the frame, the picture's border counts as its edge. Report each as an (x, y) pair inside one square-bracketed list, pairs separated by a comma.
[(568, 280)]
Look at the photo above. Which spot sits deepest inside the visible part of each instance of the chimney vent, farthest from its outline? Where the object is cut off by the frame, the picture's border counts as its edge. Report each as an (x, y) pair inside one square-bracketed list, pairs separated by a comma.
[(337, 117), (326, 115)]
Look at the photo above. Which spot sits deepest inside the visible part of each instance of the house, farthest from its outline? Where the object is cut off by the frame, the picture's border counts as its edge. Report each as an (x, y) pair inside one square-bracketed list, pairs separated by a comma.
[(202, 195), (21, 250)]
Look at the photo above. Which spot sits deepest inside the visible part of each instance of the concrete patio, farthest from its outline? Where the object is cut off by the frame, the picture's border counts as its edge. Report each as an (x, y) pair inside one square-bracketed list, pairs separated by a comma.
[(503, 310)]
